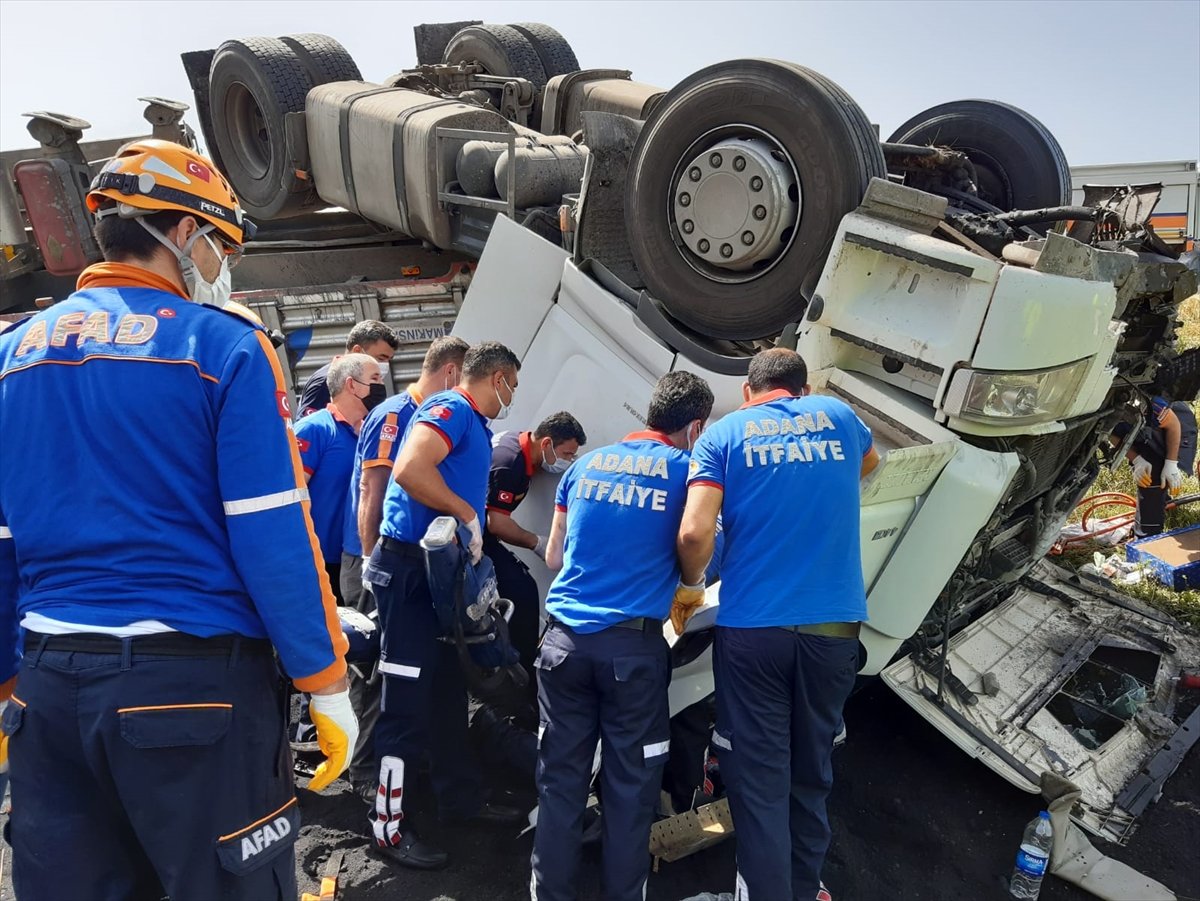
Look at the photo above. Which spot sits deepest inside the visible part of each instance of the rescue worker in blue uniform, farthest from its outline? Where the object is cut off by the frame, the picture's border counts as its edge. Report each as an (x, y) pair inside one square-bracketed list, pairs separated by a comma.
[(603, 667), (442, 469), (370, 337), (517, 457), (327, 440), (374, 456), (783, 473), (1162, 453), (153, 549)]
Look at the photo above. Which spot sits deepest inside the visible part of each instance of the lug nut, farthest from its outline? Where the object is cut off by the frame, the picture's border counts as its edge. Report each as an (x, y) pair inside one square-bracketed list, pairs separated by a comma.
[(747, 238), (739, 163), (694, 173), (726, 251), (688, 226), (685, 199), (715, 161), (760, 212), (756, 184), (703, 245)]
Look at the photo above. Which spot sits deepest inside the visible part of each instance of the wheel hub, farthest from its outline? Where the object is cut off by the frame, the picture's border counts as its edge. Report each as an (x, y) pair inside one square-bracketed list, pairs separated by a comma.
[(736, 203)]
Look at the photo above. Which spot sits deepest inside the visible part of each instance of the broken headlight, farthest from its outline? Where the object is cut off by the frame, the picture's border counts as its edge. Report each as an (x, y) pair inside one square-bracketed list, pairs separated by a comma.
[(1014, 397)]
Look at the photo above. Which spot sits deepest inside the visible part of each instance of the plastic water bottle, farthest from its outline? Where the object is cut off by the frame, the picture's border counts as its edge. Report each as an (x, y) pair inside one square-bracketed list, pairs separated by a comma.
[(1032, 859)]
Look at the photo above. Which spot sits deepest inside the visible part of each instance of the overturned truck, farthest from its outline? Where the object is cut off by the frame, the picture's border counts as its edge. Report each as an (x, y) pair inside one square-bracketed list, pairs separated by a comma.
[(609, 231)]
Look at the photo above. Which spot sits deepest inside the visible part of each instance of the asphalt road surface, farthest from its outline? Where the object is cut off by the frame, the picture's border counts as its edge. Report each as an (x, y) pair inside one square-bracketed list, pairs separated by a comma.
[(913, 818)]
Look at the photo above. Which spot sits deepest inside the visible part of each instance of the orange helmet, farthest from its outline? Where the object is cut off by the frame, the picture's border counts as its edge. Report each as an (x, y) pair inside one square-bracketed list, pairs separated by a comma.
[(150, 176)]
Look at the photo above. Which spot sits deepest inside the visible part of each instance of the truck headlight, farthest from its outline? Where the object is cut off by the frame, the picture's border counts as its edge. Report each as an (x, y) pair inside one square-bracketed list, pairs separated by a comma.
[(1014, 397)]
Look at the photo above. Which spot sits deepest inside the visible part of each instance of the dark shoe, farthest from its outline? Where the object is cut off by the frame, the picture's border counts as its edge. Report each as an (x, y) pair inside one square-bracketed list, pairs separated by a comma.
[(414, 853), (367, 789), (492, 814)]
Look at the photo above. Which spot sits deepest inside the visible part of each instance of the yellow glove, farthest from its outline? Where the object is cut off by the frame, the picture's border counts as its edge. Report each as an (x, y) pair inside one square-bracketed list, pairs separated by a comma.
[(683, 605), (337, 734)]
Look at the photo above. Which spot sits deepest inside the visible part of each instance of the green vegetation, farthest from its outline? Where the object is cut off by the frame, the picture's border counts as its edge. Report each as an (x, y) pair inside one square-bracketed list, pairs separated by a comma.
[(1184, 605)]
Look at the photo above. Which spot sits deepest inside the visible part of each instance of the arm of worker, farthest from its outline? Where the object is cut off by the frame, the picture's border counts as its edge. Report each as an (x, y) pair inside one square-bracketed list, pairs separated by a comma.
[(869, 461), (556, 543), (705, 494), (267, 518), (310, 443), (416, 471), (8, 610), (1172, 477), (504, 527), (504, 493), (378, 443), (371, 490)]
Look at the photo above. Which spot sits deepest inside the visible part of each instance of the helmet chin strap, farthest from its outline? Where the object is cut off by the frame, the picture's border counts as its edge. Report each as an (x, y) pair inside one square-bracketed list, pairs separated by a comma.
[(187, 266)]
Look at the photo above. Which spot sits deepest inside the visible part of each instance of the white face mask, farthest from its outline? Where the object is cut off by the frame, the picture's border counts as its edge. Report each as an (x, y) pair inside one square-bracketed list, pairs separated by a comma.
[(502, 413), (215, 293), (559, 465)]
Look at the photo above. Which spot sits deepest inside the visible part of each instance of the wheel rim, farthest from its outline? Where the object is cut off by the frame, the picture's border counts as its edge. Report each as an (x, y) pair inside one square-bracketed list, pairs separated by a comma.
[(249, 136), (735, 200)]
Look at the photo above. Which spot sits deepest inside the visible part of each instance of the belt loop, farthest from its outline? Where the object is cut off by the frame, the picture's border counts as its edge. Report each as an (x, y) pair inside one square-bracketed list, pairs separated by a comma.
[(126, 654), (37, 654), (235, 651)]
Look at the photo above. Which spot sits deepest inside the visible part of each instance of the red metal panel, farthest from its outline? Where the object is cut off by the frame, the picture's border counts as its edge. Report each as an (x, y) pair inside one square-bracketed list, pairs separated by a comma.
[(60, 223)]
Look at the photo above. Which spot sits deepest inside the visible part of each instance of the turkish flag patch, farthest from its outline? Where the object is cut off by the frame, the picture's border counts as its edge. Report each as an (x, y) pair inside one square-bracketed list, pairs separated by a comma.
[(284, 405), (201, 172), (389, 432), (440, 412), (302, 445), (506, 497)]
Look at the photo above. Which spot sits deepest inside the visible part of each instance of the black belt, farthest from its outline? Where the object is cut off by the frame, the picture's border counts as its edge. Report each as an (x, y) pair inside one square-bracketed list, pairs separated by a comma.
[(639, 624), (829, 630), (401, 548), (163, 644), (643, 624)]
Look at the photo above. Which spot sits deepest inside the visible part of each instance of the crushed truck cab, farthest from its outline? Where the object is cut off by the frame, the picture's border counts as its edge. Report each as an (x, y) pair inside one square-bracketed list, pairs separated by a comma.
[(990, 388)]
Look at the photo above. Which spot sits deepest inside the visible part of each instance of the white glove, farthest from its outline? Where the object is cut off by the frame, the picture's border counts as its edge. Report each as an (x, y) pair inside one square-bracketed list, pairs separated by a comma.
[(365, 584), (1172, 478), (540, 547), (337, 734), (475, 548), (1141, 471)]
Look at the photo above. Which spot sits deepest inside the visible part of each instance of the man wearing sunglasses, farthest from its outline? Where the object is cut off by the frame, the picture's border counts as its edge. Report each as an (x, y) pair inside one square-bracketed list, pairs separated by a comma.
[(154, 548)]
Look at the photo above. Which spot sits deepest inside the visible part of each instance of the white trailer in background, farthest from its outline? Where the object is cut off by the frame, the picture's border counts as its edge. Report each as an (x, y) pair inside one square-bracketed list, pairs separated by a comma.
[(1178, 213)]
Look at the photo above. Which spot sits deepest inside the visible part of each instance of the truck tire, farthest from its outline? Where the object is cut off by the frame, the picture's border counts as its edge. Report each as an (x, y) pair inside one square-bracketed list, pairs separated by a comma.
[(822, 145), (253, 83), (1019, 163), (500, 49), (552, 48), (325, 59)]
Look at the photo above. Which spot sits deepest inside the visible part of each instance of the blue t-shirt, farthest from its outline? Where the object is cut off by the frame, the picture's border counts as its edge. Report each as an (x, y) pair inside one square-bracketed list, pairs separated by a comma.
[(326, 443), (148, 471), (623, 503), (378, 443), (454, 416), (789, 467)]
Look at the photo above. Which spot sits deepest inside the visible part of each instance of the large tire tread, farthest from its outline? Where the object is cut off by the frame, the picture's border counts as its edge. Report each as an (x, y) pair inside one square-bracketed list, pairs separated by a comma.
[(325, 59), (1037, 170), (504, 48), (281, 86), (551, 47), (836, 153)]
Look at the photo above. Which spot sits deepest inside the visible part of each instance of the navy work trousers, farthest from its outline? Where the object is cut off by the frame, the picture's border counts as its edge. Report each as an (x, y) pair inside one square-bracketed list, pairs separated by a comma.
[(364, 682), (142, 776), (609, 686), (779, 705), (423, 708)]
